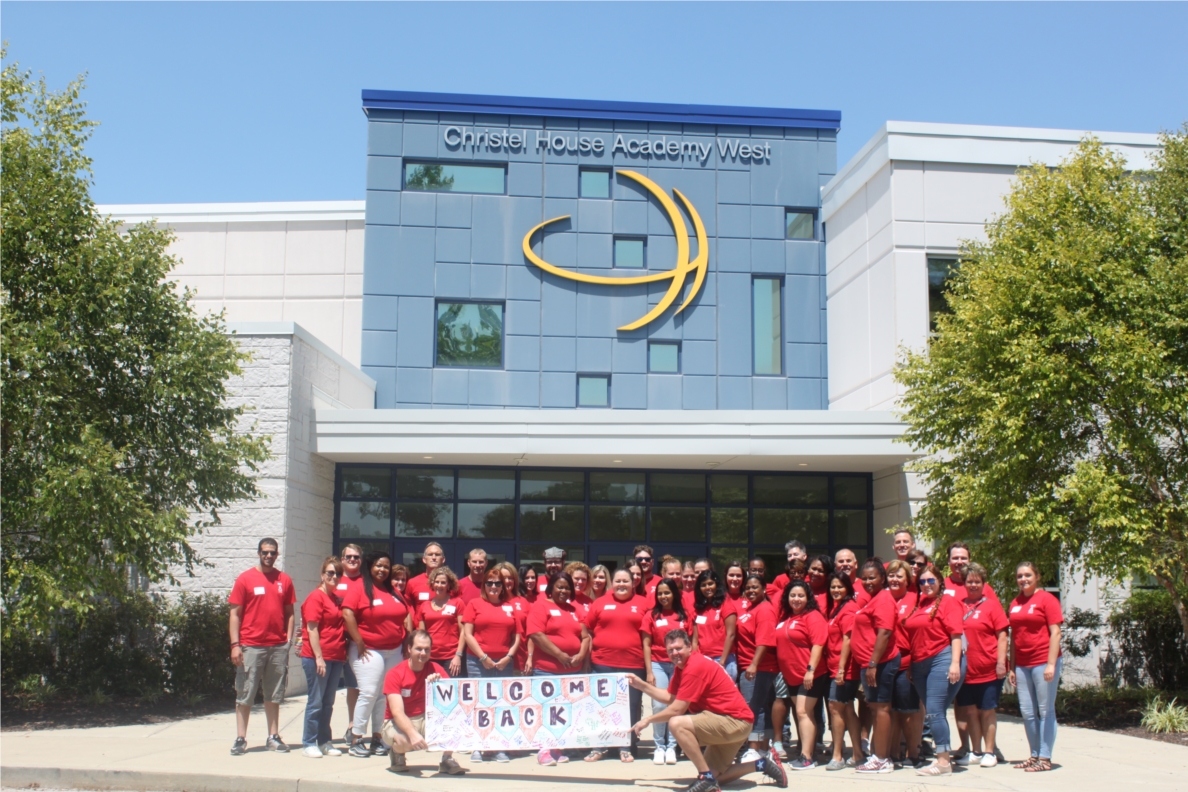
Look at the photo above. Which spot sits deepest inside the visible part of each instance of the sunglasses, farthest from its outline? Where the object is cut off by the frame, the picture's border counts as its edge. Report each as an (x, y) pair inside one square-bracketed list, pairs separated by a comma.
[(919, 563), (331, 573), (269, 553), (495, 584), (352, 558), (643, 559), (929, 582)]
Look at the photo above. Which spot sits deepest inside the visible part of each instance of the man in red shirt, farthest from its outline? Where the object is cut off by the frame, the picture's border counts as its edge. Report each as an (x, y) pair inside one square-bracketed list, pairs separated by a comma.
[(955, 582), (404, 719), (471, 586), (554, 561), (903, 542), (261, 627), (418, 589), (646, 558), (704, 707)]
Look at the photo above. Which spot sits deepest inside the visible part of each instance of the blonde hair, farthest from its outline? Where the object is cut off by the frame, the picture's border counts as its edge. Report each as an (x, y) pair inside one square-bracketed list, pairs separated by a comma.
[(449, 575), (510, 568), (664, 563), (897, 565)]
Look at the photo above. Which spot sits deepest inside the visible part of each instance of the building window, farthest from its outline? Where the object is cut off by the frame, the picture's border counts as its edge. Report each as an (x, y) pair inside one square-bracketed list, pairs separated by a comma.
[(441, 177), (470, 335), (664, 357), (593, 390), (594, 183), (631, 252), (800, 224), (767, 325), (940, 270)]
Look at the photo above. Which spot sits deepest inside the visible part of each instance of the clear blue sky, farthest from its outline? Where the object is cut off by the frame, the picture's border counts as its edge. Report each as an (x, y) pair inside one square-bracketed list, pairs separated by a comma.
[(261, 101)]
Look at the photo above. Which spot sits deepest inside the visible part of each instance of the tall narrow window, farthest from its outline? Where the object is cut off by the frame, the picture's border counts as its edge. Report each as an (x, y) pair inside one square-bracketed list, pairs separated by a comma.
[(768, 325), (940, 270)]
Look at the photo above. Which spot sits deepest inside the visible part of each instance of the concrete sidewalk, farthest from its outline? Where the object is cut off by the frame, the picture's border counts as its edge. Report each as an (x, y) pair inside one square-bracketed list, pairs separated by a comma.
[(193, 756)]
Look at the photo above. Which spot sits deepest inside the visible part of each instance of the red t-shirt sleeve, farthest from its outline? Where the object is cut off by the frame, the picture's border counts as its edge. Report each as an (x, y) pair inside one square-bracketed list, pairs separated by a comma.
[(998, 619), (646, 623), (238, 592), (356, 599), (882, 612), (1052, 610), (951, 613), (765, 628)]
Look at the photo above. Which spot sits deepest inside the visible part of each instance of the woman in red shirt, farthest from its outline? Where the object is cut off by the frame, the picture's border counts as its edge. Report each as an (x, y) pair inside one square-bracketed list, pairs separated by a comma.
[(580, 573), (668, 614), (1036, 662), (617, 647), (562, 641), (715, 623), (735, 576), (490, 630), (756, 661), (441, 617), (376, 619), (843, 687), (986, 629), (511, 596), (600, 579), (801, 634), (875, 659), (323, 655), (820, 568), (637, 579), (528, 583), (934, 630), (907, 721)]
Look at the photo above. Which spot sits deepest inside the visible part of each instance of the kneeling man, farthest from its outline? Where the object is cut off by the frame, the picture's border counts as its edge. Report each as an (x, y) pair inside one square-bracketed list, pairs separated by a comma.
[(718, 717), (404, 720)]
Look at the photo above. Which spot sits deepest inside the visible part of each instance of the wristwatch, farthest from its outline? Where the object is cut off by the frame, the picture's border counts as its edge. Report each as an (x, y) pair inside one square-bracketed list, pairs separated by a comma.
[(809, 667)]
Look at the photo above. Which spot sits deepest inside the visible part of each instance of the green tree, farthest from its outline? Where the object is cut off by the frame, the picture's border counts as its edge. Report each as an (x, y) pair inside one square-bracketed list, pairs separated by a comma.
[(117, 440), (428, 177), (1053, 400)]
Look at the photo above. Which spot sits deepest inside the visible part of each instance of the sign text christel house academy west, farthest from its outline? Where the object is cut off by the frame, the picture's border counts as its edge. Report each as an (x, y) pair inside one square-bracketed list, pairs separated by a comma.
[(513, 140)]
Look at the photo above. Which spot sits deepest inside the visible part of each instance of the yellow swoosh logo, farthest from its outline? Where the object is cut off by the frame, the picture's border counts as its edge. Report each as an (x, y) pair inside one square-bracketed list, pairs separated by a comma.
[(677, 274)]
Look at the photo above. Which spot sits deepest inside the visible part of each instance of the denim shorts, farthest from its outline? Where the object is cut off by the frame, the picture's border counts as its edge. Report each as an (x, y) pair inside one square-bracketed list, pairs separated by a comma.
[(904, 697), (983, 695), (844, 693), (884, 681)]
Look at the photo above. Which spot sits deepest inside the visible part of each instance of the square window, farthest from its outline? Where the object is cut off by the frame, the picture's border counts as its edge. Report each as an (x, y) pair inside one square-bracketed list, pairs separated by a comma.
[(800, 224), (594, 183), (470, 335), (593, 390), (664, 358), (630, 253)]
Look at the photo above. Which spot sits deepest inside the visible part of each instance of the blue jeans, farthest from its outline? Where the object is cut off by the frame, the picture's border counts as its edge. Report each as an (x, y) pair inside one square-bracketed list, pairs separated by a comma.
[(1037, 703), (660, 733), (634, 697), (731, 666), (760, 695), (931, 678), (320, 704), (476, 670)]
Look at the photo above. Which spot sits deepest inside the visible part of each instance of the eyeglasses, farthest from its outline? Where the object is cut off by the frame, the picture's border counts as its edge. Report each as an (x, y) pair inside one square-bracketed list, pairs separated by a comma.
[(643, 559), (495, 584), (352, 558)]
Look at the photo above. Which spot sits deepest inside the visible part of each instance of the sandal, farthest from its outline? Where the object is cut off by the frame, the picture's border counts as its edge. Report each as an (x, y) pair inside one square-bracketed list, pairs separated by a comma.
[(1041, 766), (595, 755), (1027, 764), (626, 756)]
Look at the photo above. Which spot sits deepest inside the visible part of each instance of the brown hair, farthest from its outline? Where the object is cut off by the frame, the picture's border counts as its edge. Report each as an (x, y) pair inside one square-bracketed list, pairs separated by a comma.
[(1039, 578), (450, 576), (330, 561)]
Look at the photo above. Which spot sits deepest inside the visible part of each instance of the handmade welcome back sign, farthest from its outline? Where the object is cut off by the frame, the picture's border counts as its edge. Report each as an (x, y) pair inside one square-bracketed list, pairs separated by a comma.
[(577, 711)]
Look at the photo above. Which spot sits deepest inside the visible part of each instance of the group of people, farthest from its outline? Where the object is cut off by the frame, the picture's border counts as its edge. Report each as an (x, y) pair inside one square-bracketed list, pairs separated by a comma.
[(880, 649)]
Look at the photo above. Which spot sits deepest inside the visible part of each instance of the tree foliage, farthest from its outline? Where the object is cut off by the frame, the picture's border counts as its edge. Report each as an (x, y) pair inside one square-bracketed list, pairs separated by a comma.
[(1053, 400), (116, 431)]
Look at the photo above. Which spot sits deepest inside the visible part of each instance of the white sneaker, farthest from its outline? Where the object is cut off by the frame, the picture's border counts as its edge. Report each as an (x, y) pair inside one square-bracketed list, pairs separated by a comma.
[(777, 748), (670, 756), (966, 759), (751, 755), (329, 750), (989, 760), (658, 756), (312, 752)]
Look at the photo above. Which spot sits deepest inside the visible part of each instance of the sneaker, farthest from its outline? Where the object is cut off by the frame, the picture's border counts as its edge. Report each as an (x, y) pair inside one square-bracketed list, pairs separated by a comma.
[(477, 756), (866, 748), (658, 756), (777, 747), (545, 757), (965, 759), (820, 747), (988, 760), (704, 785), (851, 762), (919, 762), (561, 757), (876, 765), (398, 763), (803, 763), (311, 752), (449, 765), (501, 757), (774, 769), (359, 750), (239, 747), (275, 743), (328, 749), (935, 769), (670, 756), (750, 755), (378, 748), (836, 764)]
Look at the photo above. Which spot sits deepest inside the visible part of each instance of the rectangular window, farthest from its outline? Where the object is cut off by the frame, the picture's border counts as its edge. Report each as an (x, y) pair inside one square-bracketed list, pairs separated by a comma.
[(593, 390), (631, 253), (768, 330), (940, 270), (800, 224), (594, 183), (664, 357), (470, 335), (440, 177)]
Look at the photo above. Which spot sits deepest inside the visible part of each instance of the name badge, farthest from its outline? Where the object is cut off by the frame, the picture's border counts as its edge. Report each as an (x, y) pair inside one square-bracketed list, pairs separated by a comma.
[(950, 593), (661, 622), (406, 692), (507, 609), (449, 610), (258, 590), (423, 596), (1016, 609), (608, 607), (342, 586), (701, 620), (554, 612), (780, 626), (377, 602)]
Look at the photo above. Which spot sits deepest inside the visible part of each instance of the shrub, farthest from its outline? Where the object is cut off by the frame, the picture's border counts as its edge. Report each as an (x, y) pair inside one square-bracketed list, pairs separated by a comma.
[(1150, 641), (195, 652), (1165, 717)]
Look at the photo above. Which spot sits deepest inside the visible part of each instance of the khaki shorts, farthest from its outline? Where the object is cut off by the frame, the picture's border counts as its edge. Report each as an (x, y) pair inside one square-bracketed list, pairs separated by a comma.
[(263, 666), (722, 736), (390, 731)]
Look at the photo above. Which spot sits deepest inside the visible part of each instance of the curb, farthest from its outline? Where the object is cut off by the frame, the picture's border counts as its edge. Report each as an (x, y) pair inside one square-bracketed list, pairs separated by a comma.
[(75, 778)]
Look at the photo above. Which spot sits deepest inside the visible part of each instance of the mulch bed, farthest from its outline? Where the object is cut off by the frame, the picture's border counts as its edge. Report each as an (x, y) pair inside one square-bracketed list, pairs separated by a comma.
[(66, 713)]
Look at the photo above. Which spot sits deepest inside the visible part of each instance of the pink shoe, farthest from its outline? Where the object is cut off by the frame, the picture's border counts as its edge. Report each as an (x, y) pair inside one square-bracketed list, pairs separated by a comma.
[(546, 758)]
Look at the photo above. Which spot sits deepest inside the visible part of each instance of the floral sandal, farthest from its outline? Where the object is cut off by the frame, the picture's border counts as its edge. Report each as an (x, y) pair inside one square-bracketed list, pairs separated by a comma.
[(595, 755), (1041, 766), (1026, 764), (626, 756)]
